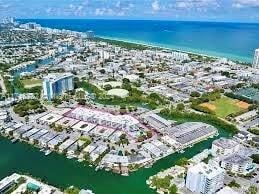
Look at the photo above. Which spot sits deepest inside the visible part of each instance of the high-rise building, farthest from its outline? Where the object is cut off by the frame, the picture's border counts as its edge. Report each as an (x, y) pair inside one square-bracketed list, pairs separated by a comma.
[(256, 59), (57, 84), (205, 178)]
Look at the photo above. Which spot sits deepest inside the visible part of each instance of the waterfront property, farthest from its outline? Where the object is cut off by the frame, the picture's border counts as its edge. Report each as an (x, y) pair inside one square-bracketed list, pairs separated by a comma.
[(189, 133), (57, 84), (126, 123), (256, 59), (204, 178)]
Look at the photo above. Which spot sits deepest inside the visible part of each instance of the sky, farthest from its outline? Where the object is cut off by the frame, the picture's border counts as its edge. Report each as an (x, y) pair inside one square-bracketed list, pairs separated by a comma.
[(198, 10)]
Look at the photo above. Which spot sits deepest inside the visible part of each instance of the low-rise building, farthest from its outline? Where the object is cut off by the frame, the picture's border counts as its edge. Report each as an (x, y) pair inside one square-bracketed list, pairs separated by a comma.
[(223, 146), (238, 164)]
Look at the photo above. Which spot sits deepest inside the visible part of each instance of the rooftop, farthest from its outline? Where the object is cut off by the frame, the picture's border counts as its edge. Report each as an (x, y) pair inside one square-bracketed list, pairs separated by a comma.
[(225, 143)]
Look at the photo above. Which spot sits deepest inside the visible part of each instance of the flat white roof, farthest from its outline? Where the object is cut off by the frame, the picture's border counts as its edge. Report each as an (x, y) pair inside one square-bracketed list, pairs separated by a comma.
[(106, 116), (84, 126), (51, 118)]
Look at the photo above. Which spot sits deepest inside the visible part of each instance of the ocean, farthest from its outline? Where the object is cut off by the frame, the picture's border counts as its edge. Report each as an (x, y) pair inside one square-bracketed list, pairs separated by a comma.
[(236, 41)]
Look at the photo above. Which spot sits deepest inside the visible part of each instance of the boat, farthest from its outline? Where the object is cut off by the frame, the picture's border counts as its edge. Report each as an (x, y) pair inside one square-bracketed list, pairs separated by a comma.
[(14, 140), (182, 151), (70, 156), (48, 152)]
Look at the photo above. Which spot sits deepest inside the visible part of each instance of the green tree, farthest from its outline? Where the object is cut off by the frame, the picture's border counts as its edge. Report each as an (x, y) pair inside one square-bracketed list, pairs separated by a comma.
[(173, 189), (180, 107), (252, 190), (255, 158)]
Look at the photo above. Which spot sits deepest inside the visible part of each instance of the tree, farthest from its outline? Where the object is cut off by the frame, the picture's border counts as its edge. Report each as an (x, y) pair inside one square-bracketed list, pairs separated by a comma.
[(173, 189), (255, 158), (233, 183), (102, 71), (125, 80), (27, 119), (252, 190), (107, 87), (180, 107), (149, 134), (195, 94), (81, 101), (182, 162)]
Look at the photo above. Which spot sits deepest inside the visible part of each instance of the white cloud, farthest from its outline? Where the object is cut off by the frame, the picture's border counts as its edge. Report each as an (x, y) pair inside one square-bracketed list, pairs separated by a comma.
[(245, 4), (155, 6), (200, 5)]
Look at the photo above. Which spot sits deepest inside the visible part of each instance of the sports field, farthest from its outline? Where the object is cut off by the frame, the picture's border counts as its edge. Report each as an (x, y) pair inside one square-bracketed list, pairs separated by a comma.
[(30, 83), (225, 106)]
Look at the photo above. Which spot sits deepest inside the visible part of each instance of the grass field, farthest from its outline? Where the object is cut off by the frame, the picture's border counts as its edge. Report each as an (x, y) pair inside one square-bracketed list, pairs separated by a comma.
[(29, 83), (226, 106)]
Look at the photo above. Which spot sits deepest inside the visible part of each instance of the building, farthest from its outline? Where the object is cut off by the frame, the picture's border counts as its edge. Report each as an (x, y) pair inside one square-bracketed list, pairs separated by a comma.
[(227, 190), (57, 84), (190, 133), (204, 178), (223, 146), (127, 123), (238, 164), (256, 59)]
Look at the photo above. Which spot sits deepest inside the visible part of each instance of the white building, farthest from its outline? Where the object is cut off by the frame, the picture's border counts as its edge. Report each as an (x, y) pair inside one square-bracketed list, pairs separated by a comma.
[(57, 84), (223, 146), (256, 59), (238, 164), (204, 178)]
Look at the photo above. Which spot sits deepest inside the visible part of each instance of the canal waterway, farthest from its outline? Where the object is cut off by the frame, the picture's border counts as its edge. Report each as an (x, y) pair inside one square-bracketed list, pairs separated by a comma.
[(62, 172)]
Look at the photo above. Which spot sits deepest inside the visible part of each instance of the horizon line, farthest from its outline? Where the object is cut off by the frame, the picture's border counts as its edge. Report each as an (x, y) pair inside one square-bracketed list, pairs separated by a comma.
[(143, 19)]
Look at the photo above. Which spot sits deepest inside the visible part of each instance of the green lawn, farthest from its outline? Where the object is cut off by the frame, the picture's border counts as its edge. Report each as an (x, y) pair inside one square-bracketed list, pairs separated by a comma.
[(226, 106), (29, 83)]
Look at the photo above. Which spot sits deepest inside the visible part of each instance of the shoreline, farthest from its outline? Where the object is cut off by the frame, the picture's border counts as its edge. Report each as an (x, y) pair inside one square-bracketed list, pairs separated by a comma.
[(154, 46)]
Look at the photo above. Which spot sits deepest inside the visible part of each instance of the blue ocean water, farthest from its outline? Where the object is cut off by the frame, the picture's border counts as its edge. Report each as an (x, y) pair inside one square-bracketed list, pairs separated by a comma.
[(236, 41)]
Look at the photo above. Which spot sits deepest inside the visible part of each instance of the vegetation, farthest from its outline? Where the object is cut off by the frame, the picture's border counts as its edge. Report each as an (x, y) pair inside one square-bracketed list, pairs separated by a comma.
[(29, 83), (206, 118), (254, 131), (173, 189), (255, 158), (127, 45), (233, 183), (21, 88), (161, 182), (26, 107), (9, 86), (252, 190), (215, 103), (242, 98), (72, 190), (136, 97), (182, 162)]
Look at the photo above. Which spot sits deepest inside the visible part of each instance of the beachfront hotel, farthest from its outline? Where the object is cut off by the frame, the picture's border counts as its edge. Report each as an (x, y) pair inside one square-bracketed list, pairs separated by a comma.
[(57, 84), (256, 59)]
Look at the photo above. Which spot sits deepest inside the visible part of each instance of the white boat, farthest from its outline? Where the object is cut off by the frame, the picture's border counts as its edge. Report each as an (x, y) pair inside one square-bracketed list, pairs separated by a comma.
[(70, 156), (14, 140), (48, 152)]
